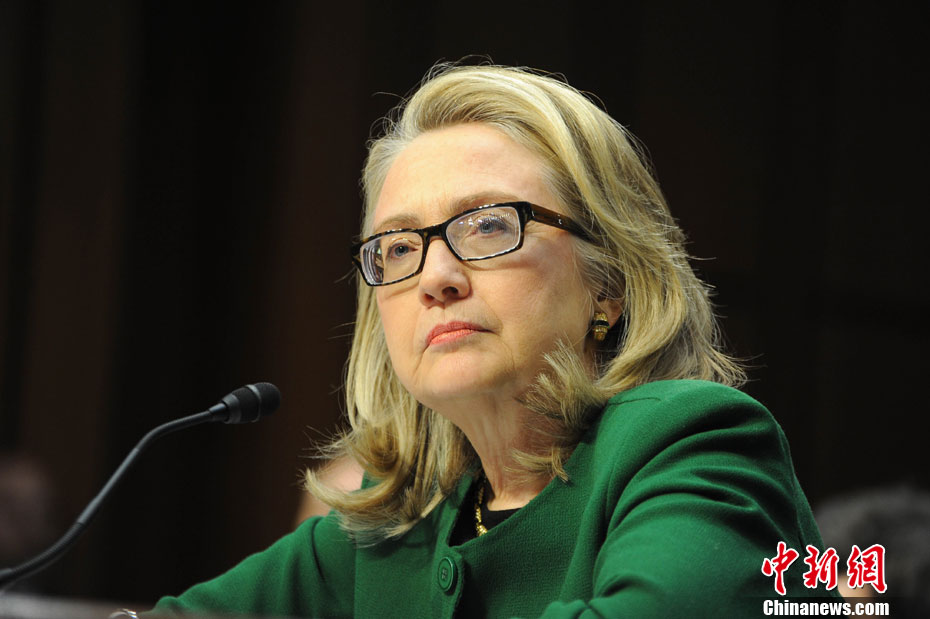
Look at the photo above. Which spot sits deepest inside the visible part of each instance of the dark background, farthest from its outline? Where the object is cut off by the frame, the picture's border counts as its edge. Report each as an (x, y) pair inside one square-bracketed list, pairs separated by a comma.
[(178, 183)]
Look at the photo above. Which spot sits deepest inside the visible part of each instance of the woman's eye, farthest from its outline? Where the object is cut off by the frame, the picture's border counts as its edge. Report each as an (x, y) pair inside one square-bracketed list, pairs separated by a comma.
[(490, 224), (398, 251)]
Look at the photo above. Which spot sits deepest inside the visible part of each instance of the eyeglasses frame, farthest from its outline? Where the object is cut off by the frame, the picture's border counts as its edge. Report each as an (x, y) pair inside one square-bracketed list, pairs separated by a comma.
[(527, 212)]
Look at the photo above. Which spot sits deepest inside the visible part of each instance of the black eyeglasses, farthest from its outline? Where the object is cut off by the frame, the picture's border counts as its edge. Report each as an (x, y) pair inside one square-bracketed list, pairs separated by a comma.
[(476, 234)]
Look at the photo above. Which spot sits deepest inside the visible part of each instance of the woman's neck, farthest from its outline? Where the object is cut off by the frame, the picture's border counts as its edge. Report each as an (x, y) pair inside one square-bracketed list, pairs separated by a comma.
[(514, 494), (495, 432)]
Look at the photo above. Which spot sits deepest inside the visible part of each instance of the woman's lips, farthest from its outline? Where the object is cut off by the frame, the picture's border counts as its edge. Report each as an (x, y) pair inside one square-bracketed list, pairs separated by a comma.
[(450, 332)]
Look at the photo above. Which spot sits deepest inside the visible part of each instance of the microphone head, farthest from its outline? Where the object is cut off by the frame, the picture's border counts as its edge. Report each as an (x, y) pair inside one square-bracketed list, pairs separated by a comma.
[(252, 402)]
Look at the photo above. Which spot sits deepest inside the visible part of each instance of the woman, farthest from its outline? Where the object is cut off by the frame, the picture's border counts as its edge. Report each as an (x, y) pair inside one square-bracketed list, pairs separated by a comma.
[(535, 388)]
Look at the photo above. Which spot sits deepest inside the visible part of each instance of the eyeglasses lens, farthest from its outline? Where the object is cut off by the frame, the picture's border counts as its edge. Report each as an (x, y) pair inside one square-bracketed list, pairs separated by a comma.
[(391, 257), (485, 233)]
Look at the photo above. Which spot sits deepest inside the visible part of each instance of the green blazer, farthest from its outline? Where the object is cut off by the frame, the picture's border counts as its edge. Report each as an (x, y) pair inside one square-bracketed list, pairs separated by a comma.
[(677, 494)]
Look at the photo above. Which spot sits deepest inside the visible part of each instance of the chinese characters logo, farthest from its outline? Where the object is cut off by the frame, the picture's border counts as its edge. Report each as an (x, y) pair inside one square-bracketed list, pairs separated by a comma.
[(864, 567)]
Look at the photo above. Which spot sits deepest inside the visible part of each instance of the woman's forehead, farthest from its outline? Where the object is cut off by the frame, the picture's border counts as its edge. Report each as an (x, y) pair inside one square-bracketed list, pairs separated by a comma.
[(449, 170)]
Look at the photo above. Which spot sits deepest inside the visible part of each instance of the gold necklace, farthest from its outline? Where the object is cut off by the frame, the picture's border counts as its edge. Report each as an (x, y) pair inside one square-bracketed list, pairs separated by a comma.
[(479, 527)]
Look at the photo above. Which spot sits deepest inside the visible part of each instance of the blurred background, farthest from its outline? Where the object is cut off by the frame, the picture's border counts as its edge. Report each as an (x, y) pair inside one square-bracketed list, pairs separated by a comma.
[(179, 183)]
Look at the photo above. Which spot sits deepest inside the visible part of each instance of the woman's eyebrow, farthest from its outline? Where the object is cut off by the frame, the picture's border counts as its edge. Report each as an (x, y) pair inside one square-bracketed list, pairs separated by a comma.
[(453, 207), (479, 199), (396, 222)]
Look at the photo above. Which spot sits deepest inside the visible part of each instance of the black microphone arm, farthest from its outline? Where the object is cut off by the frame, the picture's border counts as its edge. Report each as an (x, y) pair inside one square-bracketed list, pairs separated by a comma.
[(244, 405)]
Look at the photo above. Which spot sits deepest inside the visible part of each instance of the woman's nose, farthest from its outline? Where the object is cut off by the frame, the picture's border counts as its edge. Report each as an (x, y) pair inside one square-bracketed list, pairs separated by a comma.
[(444, 278)]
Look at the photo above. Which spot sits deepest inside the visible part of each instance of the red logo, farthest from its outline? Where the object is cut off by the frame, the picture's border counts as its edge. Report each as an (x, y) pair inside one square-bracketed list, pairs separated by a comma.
[(822, 568), (865, 567), (778, 564)]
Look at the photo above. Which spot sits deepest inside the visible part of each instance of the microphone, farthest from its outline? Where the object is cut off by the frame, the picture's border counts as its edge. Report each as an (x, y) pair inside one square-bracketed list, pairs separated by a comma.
[(244, 405)]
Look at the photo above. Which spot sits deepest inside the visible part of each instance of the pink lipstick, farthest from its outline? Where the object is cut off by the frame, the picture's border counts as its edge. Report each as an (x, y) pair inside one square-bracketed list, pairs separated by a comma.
[(450, 332)]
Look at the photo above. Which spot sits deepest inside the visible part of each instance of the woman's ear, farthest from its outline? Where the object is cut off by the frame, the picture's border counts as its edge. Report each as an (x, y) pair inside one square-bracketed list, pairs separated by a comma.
[(612, 307)]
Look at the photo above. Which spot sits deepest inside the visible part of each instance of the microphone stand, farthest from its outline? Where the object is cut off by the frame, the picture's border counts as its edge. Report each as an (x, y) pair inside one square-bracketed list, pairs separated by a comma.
[(10, 575), (244, 405)]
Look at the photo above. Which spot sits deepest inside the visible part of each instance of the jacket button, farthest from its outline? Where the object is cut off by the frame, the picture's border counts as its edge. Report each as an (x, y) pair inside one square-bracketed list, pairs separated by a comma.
[(446, 574)]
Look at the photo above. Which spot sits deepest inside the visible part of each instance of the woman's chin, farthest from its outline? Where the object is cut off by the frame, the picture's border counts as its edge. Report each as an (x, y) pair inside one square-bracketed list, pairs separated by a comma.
[(459, 385)]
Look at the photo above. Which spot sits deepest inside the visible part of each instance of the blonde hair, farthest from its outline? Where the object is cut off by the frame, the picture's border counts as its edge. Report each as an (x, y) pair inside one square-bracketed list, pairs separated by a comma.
[(413, 456)]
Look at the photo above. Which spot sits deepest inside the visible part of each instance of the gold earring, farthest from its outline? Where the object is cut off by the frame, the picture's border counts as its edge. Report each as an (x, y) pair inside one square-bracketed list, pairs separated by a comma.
[(599, 326)]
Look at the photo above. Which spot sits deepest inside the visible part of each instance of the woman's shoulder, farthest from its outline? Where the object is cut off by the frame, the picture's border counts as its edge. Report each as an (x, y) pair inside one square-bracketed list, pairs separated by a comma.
[(670, 409), (658, 428), (683, 392)]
